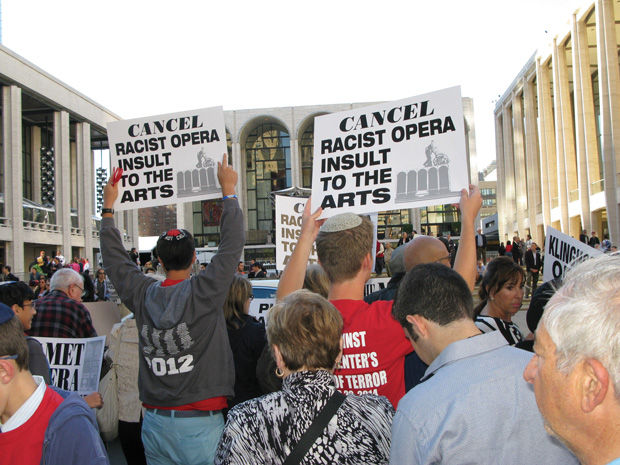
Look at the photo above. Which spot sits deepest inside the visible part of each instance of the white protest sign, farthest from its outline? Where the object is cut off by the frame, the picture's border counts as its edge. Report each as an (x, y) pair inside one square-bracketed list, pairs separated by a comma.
[(288, 228), (562, 252), (375, 284), (404, 154), (168, 158), (259, 308), (75, 363)]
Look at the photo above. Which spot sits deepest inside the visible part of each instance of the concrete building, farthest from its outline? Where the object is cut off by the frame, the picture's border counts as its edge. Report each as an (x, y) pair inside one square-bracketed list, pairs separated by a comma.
[(558, 132), (53, 137), (50, 140)]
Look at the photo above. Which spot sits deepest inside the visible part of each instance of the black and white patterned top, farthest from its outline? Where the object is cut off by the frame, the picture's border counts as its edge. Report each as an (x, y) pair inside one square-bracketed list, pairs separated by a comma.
[(266, 429), (509, 330)]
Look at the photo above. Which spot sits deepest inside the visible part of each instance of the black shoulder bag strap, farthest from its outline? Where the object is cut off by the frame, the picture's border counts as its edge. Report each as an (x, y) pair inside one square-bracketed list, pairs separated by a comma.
[(316, 428)]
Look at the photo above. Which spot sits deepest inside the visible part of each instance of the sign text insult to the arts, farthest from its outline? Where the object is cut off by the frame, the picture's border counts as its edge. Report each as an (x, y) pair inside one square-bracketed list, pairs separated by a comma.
[(402, 154), (168, 158)]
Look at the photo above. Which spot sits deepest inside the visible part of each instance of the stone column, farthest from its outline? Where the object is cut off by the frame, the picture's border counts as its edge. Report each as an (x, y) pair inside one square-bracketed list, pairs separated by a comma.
[(532, 157), (547, 141), (242, 193), (13, 175), (585, 120), (501, 185), (85, 184), (565, 168), (520, 173), (181, 224), (36, 164), (609, 85), (509, 173), (62, 162)]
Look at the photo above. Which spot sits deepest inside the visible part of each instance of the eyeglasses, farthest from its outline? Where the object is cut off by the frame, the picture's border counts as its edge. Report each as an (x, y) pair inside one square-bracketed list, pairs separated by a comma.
[(9, 357), (444, 259)]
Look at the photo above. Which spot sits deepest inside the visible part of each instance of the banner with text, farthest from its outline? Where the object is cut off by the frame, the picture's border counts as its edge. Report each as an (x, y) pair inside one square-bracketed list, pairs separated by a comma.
[(403, 154), (75, 364), (562, 252), (168, 158), (288, 228)]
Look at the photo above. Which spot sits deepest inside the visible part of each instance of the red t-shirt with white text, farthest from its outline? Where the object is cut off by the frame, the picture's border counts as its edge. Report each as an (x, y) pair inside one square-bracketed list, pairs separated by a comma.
[(374, 348)]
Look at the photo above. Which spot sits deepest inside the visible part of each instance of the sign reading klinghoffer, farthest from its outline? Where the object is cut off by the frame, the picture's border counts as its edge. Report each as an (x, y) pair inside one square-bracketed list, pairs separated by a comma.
[(403, 154), (168, 158)]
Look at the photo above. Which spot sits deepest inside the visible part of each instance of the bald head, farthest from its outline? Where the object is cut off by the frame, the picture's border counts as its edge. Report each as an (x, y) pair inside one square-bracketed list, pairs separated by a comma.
[(425, 249)]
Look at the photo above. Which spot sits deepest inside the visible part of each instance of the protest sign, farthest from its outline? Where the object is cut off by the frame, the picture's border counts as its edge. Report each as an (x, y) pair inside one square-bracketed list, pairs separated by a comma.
[(375, 284), (259, 308), (75, 364), (288, 228), (562, 252), (403, 154), (168, 158)]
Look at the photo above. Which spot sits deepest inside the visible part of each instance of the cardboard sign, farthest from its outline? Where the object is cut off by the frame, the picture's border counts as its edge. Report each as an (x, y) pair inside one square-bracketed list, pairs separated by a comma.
[(562, 252), (288, 229), (168, 158), (75, 363), (403, 154)]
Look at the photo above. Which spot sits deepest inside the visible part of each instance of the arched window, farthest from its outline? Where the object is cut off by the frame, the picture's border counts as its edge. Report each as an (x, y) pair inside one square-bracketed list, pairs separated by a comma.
[(306, 149), (268, 168)]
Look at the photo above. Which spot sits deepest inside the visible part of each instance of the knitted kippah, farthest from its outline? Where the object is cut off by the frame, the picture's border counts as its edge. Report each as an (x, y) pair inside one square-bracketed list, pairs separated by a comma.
[(341, 222), (6, 313)]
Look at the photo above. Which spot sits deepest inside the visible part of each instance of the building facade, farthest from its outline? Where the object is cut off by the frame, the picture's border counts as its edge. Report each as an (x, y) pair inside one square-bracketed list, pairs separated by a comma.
[(51, 140), (558, 133), (273, 149)]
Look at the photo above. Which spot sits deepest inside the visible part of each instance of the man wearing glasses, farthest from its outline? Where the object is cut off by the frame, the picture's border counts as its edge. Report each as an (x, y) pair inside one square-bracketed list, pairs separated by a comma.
[(60, 313), (39, 424)]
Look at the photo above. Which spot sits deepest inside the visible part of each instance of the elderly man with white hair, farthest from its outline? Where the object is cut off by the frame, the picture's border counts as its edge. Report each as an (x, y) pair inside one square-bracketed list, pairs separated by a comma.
[(576, 368), (60, 313)]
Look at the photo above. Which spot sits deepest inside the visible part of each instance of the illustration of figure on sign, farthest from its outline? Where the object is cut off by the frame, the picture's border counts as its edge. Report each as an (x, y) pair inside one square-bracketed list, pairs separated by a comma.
[(431, 180), (201, 180), (433, 158)]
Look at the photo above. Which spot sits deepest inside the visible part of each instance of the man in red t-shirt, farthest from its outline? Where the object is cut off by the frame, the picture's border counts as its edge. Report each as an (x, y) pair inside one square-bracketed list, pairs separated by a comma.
[(32, 413), (374, 345)]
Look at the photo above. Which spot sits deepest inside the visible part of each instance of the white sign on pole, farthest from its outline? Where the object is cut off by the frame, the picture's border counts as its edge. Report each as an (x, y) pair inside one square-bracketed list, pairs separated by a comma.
[(562, 252), (288, 228), (403, 154), (168, 158), (75, 363)]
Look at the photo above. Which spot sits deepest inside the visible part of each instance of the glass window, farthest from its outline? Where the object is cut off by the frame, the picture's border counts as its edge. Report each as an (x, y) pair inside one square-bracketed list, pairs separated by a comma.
[(306, 148), (27, 161), (268, 168)]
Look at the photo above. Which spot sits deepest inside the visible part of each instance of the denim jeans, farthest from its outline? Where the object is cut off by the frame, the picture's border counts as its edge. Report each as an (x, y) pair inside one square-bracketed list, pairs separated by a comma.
[(171, 441)]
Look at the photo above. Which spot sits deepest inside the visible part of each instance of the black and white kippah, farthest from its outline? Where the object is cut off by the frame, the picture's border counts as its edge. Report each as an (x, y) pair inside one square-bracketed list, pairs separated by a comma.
[(341, 222)]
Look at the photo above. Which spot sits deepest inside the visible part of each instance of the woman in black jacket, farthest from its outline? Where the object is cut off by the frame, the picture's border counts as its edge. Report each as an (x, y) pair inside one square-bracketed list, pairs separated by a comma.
[(247, 338)]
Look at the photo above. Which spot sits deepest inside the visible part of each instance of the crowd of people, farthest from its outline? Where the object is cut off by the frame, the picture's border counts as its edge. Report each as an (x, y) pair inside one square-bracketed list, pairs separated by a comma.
[(411, 374)]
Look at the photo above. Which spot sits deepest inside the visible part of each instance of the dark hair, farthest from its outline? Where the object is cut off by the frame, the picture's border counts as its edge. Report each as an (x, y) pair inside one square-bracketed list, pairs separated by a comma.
[(15, 293), (176, 252), (499, 271), (435, 292), (13, 342), (8, 267)]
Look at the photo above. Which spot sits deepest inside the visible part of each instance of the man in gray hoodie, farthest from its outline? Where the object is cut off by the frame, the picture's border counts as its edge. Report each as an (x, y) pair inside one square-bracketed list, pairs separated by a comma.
[(186, 365)]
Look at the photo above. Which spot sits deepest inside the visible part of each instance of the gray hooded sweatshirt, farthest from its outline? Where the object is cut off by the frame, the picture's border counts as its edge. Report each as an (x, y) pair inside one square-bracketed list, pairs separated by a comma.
[(185, 356)]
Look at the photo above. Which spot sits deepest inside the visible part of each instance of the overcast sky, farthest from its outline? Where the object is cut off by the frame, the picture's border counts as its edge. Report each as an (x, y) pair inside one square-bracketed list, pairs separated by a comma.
[(145, 57)]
